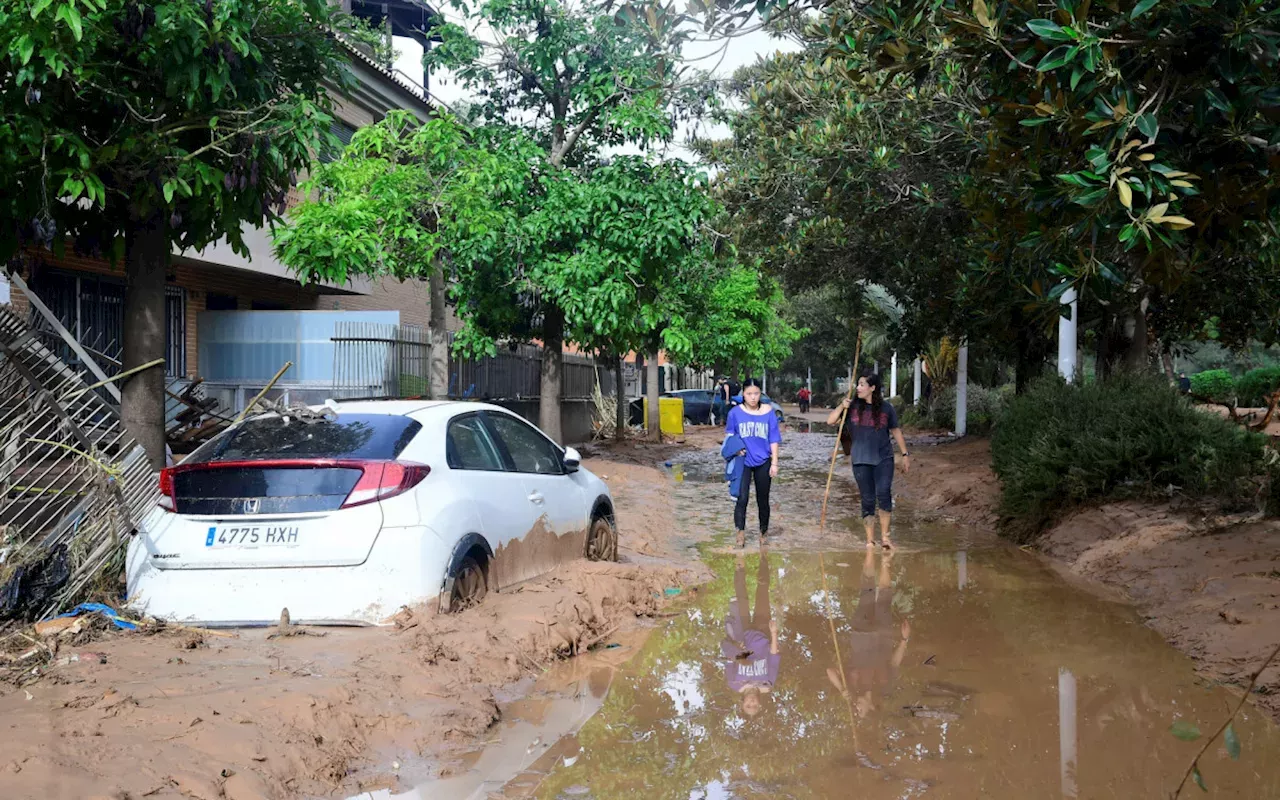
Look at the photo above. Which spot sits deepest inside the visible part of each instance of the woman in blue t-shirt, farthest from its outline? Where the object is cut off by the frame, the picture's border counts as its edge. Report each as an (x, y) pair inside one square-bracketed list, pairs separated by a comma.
[(757, 426), (871, 420)]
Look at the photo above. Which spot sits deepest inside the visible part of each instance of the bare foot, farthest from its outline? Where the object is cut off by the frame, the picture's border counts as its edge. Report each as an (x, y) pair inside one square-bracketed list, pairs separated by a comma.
[(742, 538), (888, 545), (870, 545)]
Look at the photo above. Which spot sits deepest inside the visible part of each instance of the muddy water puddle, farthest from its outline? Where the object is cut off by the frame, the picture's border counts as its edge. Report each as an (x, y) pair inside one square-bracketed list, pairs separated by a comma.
[(957, 667), (929, 673)]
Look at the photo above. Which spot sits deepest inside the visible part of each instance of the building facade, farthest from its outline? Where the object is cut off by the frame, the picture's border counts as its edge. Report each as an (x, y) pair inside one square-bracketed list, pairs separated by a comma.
[(87, 294)]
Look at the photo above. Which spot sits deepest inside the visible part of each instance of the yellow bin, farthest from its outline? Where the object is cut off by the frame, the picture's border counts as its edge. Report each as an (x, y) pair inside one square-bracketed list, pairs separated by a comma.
[(670, 415)]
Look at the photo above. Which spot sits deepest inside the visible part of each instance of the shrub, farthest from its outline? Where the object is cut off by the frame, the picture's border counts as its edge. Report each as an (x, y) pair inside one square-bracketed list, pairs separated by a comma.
[(1214, 384), (1061, 445), (984, 408), (1256, 385)]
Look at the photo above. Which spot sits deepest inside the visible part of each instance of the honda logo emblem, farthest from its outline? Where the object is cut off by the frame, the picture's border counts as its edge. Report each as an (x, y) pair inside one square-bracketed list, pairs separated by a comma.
[(251, 505)]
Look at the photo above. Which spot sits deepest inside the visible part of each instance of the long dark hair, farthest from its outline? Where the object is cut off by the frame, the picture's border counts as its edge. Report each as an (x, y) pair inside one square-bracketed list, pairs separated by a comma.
[(747, 384), (877, 398)]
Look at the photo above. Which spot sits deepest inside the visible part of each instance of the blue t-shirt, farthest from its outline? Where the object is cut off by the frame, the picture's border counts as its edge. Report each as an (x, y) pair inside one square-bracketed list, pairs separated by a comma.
[(757, 432), (871, 443)]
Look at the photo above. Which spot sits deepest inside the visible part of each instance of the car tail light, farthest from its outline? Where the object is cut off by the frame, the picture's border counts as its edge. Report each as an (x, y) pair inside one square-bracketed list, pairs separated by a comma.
[(166, 489), (383, 479)]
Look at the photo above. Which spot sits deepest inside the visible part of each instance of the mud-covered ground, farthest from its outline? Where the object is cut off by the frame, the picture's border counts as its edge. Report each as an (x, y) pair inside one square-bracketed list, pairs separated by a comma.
[(243, 715)]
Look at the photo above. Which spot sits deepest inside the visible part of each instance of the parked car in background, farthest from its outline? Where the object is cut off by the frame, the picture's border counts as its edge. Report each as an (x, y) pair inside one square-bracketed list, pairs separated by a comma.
[(697, 404), (345, 514), (765, 400)]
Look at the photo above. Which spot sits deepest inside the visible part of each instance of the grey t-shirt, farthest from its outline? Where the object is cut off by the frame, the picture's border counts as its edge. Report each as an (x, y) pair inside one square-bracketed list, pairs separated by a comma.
[(871, 443)]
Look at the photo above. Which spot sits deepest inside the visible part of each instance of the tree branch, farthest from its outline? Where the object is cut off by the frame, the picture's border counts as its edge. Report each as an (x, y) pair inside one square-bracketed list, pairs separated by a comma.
[(557, 158)]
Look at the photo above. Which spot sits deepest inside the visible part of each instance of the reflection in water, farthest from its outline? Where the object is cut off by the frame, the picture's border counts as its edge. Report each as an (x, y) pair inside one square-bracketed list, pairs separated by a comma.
[(967, 700), (875, 648), (1067, 731), (962, 569), (750, 647)]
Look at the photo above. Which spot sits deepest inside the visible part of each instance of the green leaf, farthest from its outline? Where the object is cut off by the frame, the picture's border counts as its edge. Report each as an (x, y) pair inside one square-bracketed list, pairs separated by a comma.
[(1055, 58), (1217, 100), (1076, 75), (1186, 731), (1149, 126), (71, 15), (1048, 30), (38, 7), (1092, 198), (1031, 123), (1142, 7), (168, 191), (1232, 742), (1198, 778)]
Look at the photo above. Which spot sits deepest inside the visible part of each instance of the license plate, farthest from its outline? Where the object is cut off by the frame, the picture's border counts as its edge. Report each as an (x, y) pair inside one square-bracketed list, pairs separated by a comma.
[(252, 536)]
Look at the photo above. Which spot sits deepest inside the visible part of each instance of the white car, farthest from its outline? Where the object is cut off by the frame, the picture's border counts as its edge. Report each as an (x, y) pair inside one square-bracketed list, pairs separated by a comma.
[(347, 519)]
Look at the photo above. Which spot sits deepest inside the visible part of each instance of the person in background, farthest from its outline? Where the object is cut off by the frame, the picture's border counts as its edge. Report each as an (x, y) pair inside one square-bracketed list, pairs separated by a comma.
[(804, 396), (1184, 383), (731, 390), (757, 426), (871, 421), (719, 405), (750, 646)]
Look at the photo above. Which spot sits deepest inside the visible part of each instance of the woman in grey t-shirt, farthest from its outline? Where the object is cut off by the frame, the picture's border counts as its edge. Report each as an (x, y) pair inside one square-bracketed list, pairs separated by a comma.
[(871, 420)]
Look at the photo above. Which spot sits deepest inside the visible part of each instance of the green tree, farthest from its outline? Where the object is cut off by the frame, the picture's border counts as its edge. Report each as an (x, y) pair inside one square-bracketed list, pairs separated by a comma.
[(130, 129), (742, 322), (1094, 130), (575, 79)]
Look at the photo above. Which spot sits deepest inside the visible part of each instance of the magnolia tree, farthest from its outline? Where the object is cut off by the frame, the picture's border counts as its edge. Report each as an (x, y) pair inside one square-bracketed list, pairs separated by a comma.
[(134, 128)]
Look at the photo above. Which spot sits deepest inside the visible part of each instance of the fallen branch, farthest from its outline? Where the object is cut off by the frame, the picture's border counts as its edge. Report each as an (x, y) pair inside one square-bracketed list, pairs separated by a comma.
[(262, 393), (159, 362), (1195, 762)]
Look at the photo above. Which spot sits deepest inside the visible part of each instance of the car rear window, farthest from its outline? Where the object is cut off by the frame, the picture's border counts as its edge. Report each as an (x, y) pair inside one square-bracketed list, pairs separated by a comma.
[(350, 436)]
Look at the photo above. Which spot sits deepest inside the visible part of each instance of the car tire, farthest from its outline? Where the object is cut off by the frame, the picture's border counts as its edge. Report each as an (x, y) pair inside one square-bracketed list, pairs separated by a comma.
[(602, 540), (470, 585)]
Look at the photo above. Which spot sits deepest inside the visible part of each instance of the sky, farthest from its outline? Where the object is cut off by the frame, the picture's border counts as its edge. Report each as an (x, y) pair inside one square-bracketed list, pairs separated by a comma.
[(740, 52)]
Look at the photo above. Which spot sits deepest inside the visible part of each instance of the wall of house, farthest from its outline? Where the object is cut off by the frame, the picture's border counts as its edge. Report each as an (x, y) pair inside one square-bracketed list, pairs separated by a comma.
[(410, 298)]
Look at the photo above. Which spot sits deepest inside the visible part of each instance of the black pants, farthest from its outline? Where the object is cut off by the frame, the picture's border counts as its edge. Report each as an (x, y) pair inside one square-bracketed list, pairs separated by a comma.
[(762, 480), (804, 406)]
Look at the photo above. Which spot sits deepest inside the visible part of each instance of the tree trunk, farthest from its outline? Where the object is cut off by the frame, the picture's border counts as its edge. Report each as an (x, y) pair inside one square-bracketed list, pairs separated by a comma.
[(438, 368), (620, 392), (1139, 355), (552, 370), (142, 395), (1166, 359), (654, 423)]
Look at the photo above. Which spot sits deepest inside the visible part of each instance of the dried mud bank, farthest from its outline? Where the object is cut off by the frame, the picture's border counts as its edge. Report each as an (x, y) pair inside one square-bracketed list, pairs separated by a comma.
[(1209, 584), (249, 715)]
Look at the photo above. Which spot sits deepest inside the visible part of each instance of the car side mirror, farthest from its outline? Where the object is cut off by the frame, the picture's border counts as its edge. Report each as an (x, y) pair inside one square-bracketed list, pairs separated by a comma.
[(572, 459)]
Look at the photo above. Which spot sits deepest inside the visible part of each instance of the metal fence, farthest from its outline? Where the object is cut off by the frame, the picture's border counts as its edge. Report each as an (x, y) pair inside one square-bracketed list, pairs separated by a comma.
[(73, 482), (376, 360)]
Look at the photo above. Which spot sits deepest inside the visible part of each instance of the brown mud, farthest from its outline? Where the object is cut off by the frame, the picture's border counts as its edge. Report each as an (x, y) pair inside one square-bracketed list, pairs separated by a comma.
[(241, 716)]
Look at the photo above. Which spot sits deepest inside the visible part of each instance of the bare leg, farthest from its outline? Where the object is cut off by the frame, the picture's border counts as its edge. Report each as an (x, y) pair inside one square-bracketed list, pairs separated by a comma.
[(885, 518), (870, 524)]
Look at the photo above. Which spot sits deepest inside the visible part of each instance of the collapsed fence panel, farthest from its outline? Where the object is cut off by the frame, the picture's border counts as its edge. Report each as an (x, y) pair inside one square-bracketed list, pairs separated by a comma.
[(73, 483)]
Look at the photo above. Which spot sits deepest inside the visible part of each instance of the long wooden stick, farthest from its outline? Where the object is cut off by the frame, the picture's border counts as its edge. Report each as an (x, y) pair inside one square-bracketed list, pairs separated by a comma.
[(822, 562), (857, 354), (265, 389)]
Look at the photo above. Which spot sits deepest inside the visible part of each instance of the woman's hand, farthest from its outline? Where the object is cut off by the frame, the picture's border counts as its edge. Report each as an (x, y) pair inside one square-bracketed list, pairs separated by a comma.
[(773, 470), (906, 465), (846, 403)]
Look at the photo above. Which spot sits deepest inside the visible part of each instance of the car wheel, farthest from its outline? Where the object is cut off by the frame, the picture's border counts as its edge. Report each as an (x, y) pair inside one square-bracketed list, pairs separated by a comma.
[(470, 585), (602, 540)]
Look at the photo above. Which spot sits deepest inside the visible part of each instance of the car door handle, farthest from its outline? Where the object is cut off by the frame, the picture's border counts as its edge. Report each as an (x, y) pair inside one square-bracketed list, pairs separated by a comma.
[(536, 497)]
